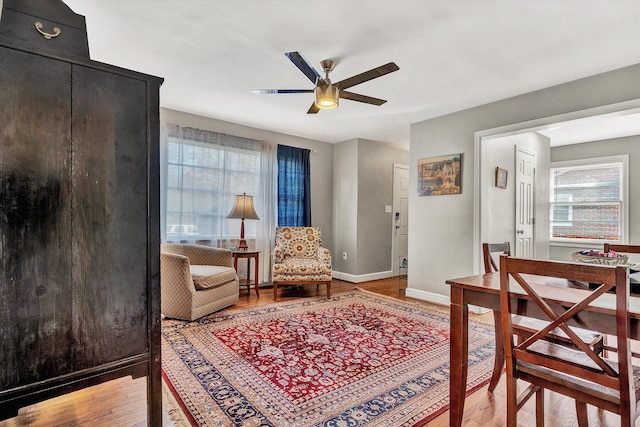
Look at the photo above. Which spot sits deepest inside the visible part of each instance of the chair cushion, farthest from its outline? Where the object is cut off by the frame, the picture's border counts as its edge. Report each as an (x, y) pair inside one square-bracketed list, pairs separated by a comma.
[(211, 276), (303, 269)]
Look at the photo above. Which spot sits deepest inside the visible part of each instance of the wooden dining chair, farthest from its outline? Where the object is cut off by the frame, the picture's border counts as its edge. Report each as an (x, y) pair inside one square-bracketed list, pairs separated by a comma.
[(578, 372), (491, 266), (488, 249), (628, 249), (524, 327)]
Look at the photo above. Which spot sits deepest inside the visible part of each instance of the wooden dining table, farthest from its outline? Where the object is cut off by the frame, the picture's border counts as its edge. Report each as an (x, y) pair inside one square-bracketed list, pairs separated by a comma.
[(484, 291)]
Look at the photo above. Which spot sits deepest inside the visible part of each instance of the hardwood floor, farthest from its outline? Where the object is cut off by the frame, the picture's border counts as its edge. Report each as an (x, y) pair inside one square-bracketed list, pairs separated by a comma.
[(122, 402)]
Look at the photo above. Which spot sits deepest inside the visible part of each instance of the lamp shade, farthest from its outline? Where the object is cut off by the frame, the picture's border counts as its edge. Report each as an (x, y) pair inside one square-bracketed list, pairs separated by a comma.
[(327, 96), (243, 208)]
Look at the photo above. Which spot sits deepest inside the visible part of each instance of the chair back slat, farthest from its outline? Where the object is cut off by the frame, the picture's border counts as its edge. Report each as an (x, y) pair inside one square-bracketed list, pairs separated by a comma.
[(559, 321), (492, 248), (630, 249)]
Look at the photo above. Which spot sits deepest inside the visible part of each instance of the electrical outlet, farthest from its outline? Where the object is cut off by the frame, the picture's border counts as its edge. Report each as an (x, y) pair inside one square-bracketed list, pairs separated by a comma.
[(344, 256)]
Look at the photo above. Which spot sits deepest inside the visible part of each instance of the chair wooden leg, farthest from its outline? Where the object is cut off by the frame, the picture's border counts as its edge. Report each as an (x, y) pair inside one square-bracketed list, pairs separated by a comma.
[(498, 361), (328, 289), (581, 413), (275, 291), (540, 407), (512, 402)]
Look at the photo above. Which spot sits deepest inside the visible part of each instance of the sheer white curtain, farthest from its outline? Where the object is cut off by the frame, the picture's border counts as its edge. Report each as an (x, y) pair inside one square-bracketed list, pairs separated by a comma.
[(201, 173), (269, 221)]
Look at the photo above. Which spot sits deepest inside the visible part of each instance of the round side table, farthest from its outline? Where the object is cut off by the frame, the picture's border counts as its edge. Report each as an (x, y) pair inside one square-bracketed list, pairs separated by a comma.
[(237, 254)]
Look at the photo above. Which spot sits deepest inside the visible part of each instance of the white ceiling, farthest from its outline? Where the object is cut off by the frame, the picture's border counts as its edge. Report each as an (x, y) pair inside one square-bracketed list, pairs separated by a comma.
[(452, 54), (596, 128)]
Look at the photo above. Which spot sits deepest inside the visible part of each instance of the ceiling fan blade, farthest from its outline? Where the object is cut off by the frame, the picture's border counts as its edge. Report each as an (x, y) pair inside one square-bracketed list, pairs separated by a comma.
[(272, 91), (304, 66), (361, 98), (367, 75), (313, 109)]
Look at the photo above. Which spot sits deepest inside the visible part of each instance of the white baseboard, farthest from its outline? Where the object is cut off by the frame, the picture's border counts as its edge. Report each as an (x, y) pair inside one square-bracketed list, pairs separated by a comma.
[(427, 296), (410, 292), (358, 278), (439, 299)]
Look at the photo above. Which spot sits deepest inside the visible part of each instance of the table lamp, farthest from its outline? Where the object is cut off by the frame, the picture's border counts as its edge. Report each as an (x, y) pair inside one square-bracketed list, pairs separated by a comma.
[(243, 209)]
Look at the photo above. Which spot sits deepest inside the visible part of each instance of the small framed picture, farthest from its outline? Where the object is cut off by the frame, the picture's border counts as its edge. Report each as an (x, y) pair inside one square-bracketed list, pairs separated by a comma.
[(501, 178)]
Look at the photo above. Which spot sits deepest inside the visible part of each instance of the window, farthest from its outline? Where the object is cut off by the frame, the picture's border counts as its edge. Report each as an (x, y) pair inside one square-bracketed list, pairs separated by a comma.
[(589, 200), (294, 199), (204, 172), (563, 212)]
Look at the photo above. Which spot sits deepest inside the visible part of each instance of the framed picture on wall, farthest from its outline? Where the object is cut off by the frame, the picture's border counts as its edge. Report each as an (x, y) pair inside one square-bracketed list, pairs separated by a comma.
[(441, 175), (501, 177)]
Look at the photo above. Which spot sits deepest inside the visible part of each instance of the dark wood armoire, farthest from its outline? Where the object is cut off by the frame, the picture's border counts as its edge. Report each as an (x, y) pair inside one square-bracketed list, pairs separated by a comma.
[(79, 213)]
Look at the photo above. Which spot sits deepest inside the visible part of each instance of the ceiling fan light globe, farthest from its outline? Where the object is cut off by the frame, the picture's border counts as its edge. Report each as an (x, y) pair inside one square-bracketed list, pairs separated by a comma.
[(327, 97)]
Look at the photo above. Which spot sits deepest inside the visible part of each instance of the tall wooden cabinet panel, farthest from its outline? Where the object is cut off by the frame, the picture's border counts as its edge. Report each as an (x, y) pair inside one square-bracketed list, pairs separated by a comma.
[(109, 206), (79, 218), (35, 238)]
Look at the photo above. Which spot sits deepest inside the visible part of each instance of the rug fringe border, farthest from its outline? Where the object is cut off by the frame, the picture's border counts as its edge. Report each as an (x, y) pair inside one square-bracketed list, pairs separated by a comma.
[(446, 407)]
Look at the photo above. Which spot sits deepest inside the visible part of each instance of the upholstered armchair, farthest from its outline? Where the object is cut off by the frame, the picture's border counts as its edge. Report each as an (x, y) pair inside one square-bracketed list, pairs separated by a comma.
[(299, 259), (196, 280)]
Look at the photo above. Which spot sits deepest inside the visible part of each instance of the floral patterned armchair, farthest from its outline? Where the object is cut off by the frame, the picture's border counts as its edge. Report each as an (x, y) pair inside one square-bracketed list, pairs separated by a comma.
[(300, 259)]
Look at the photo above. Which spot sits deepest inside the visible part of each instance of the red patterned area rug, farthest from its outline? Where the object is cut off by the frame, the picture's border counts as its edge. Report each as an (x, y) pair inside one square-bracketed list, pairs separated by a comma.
[(357, 359)]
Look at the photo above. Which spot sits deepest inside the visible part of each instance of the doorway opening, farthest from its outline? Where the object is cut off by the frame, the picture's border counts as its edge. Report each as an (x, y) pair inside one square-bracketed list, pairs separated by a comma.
[(598, 124), (400, 230)]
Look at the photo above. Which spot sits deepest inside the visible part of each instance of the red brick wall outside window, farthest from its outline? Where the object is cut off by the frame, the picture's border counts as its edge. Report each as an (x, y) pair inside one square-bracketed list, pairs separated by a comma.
[(586, 202)]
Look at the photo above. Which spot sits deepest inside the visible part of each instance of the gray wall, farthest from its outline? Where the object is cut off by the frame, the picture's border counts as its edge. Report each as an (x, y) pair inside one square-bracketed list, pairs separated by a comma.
[(375, 191), (363, 186), (629, 145), (321, 161), (345, 206), (441, 228)]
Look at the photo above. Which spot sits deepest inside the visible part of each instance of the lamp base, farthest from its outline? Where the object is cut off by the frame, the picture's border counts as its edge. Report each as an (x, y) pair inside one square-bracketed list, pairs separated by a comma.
[(242, 244)]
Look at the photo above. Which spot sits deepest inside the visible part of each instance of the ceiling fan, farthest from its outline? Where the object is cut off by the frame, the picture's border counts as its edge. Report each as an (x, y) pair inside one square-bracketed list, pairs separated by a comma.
[(327, 93)]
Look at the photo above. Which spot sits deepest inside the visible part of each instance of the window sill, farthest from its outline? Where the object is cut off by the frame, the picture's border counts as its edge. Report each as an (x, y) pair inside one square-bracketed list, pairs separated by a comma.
[(590, 244)]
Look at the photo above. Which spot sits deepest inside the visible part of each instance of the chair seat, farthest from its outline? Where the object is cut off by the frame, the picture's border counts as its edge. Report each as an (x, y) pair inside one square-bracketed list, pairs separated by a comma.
[(211, 276), (301, 269), (581, 386)]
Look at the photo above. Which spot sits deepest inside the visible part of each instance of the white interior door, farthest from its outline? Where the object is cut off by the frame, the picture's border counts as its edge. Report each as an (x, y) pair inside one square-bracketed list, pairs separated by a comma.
[(525, 203), (400, 214)]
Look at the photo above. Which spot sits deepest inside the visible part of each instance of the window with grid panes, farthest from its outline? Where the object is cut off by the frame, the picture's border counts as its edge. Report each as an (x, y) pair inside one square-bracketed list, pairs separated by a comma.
[(588, 200)]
